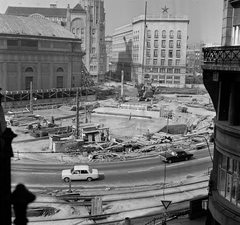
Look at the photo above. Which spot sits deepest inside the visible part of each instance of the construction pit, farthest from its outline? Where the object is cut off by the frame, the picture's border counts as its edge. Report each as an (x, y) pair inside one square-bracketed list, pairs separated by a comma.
[(136, 130)]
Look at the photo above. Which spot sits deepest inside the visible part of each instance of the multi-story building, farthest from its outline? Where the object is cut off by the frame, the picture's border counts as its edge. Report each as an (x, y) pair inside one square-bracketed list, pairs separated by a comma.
[(194, 61), (108, 43), (38, 52), (157, 53), (86, 20), (221, 76)]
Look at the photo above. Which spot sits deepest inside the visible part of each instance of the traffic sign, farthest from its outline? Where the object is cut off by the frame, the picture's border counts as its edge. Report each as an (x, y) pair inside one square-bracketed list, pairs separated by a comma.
[(166, 203)]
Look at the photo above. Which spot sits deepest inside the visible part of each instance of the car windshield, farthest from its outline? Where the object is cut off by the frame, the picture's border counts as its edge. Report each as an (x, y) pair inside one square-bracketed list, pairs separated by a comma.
[(90, 169), (72, 170), (172, 152)]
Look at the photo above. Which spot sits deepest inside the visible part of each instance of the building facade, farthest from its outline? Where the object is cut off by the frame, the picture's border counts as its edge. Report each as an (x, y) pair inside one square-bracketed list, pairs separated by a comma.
[(156, 54), (221, 78), (86, 20), (108, 43), (38, 52)]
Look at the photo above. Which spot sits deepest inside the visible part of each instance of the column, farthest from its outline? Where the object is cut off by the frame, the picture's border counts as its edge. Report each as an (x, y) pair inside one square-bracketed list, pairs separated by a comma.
[(233, 112), (69, 77), (19, 76), (233, 35), (51, 76), (236, 35), (5, 80), (39, 79), (238, 41)]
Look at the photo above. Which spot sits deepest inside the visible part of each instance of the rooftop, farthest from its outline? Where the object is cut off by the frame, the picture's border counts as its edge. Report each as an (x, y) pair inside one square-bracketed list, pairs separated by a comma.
[(20, 25), (162, 17)]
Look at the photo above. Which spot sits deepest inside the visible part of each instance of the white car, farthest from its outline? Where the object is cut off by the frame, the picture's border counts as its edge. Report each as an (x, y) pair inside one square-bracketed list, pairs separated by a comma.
[(81, 172)]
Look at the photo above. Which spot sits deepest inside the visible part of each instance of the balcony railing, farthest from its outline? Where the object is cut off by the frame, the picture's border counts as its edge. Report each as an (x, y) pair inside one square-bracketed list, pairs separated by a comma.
[(222, 56)]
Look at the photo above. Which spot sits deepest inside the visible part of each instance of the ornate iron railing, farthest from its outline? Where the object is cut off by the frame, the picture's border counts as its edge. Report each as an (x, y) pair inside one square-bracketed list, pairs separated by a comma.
[(222, 56)]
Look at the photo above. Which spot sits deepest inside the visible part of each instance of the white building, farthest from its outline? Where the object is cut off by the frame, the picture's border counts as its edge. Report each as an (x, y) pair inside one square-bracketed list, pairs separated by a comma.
[(159, 57)]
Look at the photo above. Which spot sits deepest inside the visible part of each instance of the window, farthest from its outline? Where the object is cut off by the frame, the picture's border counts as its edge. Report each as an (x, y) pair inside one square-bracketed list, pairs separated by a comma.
[(148, 53), (164, 34), (12, 42), (161, 78), (163, 43), (178, 54), (179, 35), (149, 33), (156, 33), (163, 53), (171, 35), (229, 179), (59, 69), (148, 44), (162, 70), (155, 70), (178, 44), (155, 62), (162, 62), (176, 79), (170, 70), (170, 62), (155, 53), (177, 62), (78, 32), (73, 30), (177, 71), (93, 31), (29, 43), (169, 79), (82, 31), (170, 53), (147, 61), (171, 44), (29, 70), (59, 81), (156, 44), (84, 172), (28, 81), (93, 50)]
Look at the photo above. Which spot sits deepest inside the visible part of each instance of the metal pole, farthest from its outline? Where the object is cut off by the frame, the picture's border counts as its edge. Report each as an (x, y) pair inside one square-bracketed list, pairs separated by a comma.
[(31, 98), (122, 86), (144, 37), (77, 114)]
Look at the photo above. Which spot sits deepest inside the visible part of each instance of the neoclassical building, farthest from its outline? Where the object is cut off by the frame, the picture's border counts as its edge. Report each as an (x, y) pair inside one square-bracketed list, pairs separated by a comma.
[(155, 54), (86, 20), (39, 52), (221, 76)]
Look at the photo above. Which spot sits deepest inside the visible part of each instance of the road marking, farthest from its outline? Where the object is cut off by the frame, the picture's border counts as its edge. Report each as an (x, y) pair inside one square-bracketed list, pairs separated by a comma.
[(139, 171), (176, 164), (45, 173)]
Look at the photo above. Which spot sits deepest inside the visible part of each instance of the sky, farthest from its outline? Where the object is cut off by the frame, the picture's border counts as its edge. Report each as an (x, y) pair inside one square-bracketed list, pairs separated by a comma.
[(205, 15)]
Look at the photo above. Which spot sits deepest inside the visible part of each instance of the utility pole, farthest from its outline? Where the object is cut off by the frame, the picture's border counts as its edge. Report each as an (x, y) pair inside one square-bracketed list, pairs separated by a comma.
[(144, 40), (31, 98), (122, 85), (77, 114), (6, 152)]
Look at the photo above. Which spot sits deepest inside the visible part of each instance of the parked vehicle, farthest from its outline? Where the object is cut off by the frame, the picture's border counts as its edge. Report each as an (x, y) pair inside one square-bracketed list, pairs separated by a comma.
[(80, 172), (175, 155)]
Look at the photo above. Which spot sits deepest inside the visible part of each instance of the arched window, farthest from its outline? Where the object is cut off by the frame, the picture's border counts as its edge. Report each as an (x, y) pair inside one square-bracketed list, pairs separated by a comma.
[(149, 33), (29, 70), (164, 34), (171, 35), (73, 30), (179, 34), (59, 70), (78, 32), (156, 33)]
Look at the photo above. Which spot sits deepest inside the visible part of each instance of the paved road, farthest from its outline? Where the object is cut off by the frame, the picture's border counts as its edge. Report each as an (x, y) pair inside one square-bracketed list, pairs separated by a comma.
[(118, 174)]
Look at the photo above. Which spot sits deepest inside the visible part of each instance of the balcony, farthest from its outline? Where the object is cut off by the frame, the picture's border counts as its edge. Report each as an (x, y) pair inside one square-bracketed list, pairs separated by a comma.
[(222, 58)]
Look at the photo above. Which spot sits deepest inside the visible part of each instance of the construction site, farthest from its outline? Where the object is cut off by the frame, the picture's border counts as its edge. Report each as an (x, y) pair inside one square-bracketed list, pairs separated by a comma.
[(117, 124)]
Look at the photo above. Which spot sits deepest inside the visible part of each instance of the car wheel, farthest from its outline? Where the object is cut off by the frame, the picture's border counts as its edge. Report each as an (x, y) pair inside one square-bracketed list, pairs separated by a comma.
[(66, 179), (89, 179), (169, 161), (186, 159)]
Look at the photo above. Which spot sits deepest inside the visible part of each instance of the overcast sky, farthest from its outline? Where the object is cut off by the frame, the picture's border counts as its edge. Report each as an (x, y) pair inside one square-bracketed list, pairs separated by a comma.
[(205, 15)]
